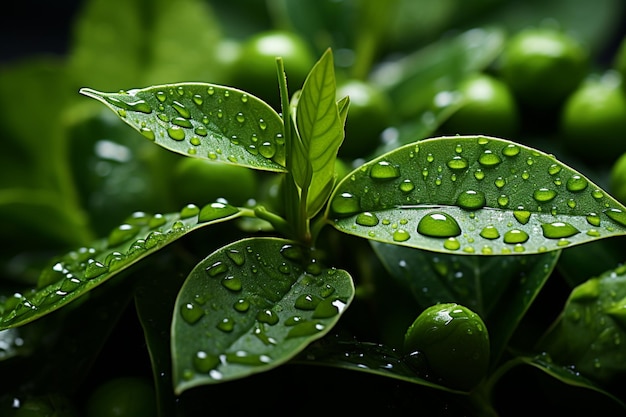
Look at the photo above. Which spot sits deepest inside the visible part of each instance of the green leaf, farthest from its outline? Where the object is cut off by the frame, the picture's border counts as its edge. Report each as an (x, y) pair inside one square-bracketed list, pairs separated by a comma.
[(500, 289), (76, 273), (251, 306), (566, 374), (372, 358), (320, 131), (590, 332), (474, 195), (204, 121)]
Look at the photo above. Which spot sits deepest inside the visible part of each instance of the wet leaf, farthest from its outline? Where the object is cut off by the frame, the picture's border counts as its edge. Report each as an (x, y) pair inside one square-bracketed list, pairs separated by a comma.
[(320, 133), (203, 121), (500, 289), (76, 273), (372, 358), (474, 195), (591, 331), (251, 306)]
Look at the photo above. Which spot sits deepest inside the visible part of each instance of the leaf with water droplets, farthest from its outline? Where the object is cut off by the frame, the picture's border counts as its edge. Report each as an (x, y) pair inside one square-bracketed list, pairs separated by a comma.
[(474, 195), (590, 333), (251, 306), (77, 272), (469, 281), (372, 358), (204, 121)]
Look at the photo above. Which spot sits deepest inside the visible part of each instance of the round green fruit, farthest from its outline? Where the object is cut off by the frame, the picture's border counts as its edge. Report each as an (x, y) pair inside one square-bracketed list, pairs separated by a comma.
[(543, 66), (487, 107), (201, 181), (455, 342), (254, 69), (123, 397), (368, 115), (593, 120)]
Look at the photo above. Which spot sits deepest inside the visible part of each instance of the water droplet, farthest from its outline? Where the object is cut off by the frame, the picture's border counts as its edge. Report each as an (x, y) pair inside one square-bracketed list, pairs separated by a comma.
[(458, 148), (176, 133), (367, 219), (576, 183), (305, 328), (384, 170), (515, 236), (267, 149), (500, 182), (200, 131), (205, 362), (327, 308), (616, 215), (211, 90), (452, 243), (189, 210), (236, 256), (240, 117), (471, 200), (490, 232), (226, 324), (489, 159), (503, 200), (163, 117), (522, 216), (157, 220), (510, 150), (161, 96), (232, 283), (593, 219), (292, 252), (401, 235), (438, 225), (94, 269), (479, 174), (216, 269), (216, 211), (191, 312), (147, 133), (597, 194), (181, 109), (267, 316), (121, 234), (182, 122), (558, 230), (543, 195), (307, 302), (197, 98), (458, 163), (483, 140), (407, 186), (345, 204), (242, 305)]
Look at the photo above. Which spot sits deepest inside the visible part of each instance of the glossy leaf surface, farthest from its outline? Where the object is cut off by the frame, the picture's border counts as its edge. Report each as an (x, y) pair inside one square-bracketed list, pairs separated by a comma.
[(500, 289), (251, 306), (590, 332), (79, 271), (474, 195), (205, 121), (320, 132)]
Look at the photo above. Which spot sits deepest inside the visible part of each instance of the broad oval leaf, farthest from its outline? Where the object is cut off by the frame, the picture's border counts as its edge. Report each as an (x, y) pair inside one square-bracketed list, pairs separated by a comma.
[(500, 289), (474, 195), (74, 274), (204, 121), (590, 332), (251, 306)]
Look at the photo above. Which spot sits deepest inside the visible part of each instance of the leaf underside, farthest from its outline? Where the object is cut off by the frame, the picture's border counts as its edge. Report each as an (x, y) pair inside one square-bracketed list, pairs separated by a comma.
[(474, 195), (79, 271), (251, 306), (204, 121)]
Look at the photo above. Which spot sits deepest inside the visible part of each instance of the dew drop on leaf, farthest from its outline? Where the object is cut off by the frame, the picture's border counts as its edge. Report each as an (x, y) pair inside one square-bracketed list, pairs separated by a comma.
[(181, 122), (176, 133), (576, 183), (191, 312), (522, 216), (121, 234), (452, 244), (345, 204), (307, 302), (305, 328), (161, 96), (267, 316), (616, 215), (232, 283), (515, 236), (401, 235), (489, 159), (236, 256), (458, 163), (189, 210), (543, 195), (558, 230), (216, 211), (471, 200), (94, 269), (384, 170), (511, 150), (593, 219), (242, 305), (216, 269), (367, 219), (438, 224), (181, 110), (204, 362), (226, 324), (407, 186), (147, 133), (490, 232)]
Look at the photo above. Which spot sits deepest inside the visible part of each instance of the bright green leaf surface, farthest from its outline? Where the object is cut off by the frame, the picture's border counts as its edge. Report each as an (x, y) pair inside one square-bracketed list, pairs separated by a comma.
[(204, 121), (78, 272), (320, 130), (500, 289), (474, 195), (251, 306), (590, 332)]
